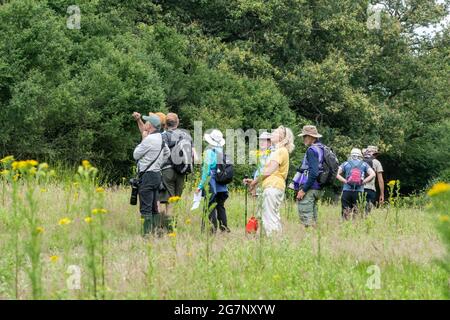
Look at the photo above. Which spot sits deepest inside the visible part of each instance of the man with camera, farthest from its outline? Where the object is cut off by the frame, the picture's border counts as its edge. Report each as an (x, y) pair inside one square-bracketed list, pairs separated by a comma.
[(150, 155)]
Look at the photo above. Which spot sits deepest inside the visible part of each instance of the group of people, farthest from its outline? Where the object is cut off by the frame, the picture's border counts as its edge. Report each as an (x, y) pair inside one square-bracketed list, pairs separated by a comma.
[(357, 175), (160, 177)]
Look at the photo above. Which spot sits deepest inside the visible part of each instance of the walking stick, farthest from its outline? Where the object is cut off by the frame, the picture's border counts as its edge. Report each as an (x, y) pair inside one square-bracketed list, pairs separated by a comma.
[(204, 213), (246, 206)]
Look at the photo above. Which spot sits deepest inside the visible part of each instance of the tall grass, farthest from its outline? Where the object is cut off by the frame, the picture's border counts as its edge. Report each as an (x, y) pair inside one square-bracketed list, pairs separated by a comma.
[(102, 236)]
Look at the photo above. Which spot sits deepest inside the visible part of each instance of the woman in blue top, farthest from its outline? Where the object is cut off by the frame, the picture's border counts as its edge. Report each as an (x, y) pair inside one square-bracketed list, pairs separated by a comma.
[(219, 192)]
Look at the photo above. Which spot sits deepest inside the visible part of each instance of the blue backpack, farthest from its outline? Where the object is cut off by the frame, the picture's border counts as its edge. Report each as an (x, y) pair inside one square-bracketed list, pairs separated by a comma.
[(355, 175)]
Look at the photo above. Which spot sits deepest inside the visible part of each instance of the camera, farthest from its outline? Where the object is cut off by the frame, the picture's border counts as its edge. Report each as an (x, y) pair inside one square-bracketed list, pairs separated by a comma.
[(134, 191)]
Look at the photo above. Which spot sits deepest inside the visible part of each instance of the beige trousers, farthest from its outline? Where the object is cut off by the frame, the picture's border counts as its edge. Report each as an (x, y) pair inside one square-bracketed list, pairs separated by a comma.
[(271, 218)]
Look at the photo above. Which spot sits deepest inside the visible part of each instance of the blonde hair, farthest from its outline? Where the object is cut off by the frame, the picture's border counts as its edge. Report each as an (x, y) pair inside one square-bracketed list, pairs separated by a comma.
[(287, 140), (162, 118)]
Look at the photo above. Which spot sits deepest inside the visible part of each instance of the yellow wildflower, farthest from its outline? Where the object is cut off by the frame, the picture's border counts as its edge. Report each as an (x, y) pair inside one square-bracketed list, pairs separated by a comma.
[(88, 219), (86, 164), (188, 221), (43, 190), (64, 221), (17, 165), (4, 172), (7, 159), (439, 188), (391, 183), (16, 177), (99, 211), (39, 230), (23, 164), (174, 199), (54, 259), (172, 234), (99, 190), (443, 218), (32, 163)]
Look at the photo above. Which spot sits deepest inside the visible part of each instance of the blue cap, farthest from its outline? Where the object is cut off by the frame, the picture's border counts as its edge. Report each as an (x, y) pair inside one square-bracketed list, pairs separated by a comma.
[(154, 120)]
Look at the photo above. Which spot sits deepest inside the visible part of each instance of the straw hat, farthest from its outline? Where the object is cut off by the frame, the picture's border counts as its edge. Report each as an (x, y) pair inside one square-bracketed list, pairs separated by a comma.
[(372, 150), (215, 138), (310, 131), (356, 152)]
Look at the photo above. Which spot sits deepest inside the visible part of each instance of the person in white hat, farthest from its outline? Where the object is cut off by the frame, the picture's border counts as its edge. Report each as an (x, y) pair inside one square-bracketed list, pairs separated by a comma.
[(264, 151), (353, 173), (219, 192)]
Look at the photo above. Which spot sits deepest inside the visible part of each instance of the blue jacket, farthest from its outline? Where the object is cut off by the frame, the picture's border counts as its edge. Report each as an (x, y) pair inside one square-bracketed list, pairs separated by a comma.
[(311, 167), (209, 169)]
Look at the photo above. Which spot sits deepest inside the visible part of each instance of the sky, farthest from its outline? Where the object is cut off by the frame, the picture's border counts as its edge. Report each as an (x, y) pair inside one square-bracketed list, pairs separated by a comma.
[(432, 30), (425, 31)]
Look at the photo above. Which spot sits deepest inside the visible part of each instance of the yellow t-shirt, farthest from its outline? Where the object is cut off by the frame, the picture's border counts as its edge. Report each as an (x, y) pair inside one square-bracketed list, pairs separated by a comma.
[(278, 178)]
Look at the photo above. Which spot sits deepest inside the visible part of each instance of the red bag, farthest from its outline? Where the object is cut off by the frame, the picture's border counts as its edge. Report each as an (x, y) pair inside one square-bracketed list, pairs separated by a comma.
[(252, 225)]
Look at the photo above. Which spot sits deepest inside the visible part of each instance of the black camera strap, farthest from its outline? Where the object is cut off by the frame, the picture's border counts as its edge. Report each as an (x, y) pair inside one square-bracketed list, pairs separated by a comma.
[(153, 161)]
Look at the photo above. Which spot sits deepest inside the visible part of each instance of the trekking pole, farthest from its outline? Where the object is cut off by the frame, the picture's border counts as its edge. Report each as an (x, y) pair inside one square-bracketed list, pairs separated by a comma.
[(246, 202), (205, 209), (288, 203)]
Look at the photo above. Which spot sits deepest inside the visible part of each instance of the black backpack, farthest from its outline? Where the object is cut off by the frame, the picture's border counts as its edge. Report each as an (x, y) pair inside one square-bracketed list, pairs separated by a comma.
[(224, 170), (330, 167), (180, 152)]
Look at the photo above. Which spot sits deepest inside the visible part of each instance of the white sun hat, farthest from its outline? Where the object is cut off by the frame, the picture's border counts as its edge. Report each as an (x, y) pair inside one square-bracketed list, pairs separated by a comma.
[(356, 152), (265, 136), (215, 138)]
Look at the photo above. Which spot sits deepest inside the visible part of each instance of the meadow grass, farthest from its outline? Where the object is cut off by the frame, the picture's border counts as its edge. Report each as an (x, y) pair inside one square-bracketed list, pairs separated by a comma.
[(334, 261)]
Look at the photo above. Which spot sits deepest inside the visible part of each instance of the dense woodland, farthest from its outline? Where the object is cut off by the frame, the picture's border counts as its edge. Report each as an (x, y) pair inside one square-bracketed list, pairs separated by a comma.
[(68, 94)]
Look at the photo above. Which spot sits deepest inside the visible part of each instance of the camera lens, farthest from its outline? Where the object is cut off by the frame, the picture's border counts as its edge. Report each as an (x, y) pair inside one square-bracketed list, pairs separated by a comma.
[(134, 195)]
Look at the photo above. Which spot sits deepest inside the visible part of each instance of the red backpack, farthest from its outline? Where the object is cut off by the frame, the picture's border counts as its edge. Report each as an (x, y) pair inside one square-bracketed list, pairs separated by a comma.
[(356, 174)]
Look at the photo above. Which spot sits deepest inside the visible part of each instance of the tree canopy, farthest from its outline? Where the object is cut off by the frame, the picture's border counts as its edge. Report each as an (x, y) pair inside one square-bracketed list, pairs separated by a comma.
[(67, 94)]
